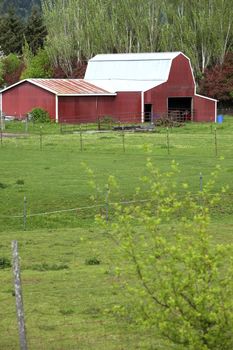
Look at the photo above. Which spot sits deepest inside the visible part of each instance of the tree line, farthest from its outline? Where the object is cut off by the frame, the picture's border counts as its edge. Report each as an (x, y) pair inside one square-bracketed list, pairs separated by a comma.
[(71, 31)]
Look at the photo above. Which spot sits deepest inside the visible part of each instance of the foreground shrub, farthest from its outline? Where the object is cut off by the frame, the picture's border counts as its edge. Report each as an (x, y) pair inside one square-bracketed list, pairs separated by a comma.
[(178, 282)]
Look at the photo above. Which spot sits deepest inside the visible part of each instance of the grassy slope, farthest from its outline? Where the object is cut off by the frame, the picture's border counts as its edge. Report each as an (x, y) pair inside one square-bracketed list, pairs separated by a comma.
[(67, 308)]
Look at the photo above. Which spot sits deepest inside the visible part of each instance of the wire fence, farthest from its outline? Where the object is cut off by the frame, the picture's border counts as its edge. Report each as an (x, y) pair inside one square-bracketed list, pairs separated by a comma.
[(76, 216), (168, 141), (71, 292)]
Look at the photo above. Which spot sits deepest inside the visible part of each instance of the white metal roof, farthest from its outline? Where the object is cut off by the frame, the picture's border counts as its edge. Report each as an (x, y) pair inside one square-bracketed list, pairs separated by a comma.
[(130, 72)]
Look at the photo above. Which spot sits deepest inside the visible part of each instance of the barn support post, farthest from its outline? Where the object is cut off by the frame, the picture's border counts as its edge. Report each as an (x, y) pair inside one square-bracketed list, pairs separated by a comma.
[(56, 109), (142, 107), (19, 296), (215, 117)]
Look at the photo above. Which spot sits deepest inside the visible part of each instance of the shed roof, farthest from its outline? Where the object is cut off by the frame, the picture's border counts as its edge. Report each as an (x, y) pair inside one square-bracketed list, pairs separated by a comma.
[(130, 72), (66, 87)]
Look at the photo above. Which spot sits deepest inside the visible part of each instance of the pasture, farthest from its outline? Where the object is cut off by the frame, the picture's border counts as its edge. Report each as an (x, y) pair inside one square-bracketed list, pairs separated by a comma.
[(68, 279)]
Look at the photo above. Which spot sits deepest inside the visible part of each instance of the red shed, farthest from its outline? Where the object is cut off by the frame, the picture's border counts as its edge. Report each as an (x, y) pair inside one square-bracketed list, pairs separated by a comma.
[(128, 87)]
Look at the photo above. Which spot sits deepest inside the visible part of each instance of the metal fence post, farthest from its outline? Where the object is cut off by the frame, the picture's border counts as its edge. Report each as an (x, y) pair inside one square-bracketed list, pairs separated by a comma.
[(19, 296), (123, 139), (201, 182), (81, 139), (215, 142), (41, 138), (168, 142), (24, 213)]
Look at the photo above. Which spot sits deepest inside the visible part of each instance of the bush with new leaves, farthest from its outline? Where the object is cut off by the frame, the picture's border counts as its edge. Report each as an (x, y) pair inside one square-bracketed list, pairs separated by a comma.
[(182, 286), (39, 115)]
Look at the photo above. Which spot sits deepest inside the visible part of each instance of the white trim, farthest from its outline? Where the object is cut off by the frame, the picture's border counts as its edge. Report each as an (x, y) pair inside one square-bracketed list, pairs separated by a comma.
[(1, 103), (11, 86), (208, 98), (29, 81), (88, 94), (56, 109), (142, 106), (215, 118)]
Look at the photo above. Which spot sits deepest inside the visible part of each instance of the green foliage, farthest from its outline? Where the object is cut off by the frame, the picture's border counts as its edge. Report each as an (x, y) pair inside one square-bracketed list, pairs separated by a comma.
[(11, 63), (4, 263), (3, 185), (11, 29), (10, 69), (92, 261), (20, 182), (35, 30), (183, 287), (49, 267), (39, 115), (38, 66), (79, 29), (27, 53)]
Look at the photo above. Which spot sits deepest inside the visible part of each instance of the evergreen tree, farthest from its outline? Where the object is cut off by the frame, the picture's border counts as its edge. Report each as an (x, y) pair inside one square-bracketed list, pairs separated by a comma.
[(11, 33), (35, 31)]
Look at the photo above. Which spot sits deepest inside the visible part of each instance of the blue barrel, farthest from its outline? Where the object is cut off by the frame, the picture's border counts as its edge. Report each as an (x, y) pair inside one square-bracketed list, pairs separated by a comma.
[(220, 119)]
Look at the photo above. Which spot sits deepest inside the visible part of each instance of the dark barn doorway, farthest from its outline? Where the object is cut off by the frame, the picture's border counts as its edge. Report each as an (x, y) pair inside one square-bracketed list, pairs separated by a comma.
[(148, 112), (180, 108)]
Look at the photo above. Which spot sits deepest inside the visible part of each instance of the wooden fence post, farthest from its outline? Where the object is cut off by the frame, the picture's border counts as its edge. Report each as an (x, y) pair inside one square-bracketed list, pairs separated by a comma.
[(19, 296)]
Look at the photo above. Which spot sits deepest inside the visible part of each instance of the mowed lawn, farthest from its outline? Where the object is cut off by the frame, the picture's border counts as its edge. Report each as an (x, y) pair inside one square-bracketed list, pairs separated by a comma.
[(68, 301)]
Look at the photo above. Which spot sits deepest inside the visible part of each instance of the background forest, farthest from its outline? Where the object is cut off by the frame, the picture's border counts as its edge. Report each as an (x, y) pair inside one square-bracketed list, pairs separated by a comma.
[(51, 38)]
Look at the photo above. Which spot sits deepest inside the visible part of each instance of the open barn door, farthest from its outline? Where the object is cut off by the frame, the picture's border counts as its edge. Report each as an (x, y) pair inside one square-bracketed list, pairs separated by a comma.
[(148, 112), (180, 108)]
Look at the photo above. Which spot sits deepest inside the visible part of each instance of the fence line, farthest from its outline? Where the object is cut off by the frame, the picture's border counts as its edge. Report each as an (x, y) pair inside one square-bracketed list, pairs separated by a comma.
[(92, 207)]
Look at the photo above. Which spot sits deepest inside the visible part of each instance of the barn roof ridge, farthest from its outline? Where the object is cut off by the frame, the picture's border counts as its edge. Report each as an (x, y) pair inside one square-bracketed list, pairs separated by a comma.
[(136, 56)]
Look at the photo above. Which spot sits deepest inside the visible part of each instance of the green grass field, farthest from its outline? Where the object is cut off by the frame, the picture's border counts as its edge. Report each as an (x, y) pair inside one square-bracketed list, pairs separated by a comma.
[(68, 302)]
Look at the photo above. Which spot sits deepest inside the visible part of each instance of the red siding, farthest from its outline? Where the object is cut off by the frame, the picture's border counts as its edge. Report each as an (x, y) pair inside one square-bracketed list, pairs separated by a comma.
[(22, 98), (205, 109), (180, 84), (126, 106)]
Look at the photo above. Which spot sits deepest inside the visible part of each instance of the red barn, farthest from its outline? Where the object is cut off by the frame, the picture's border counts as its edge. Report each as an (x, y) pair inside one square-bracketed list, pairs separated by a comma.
[(128, 87)]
